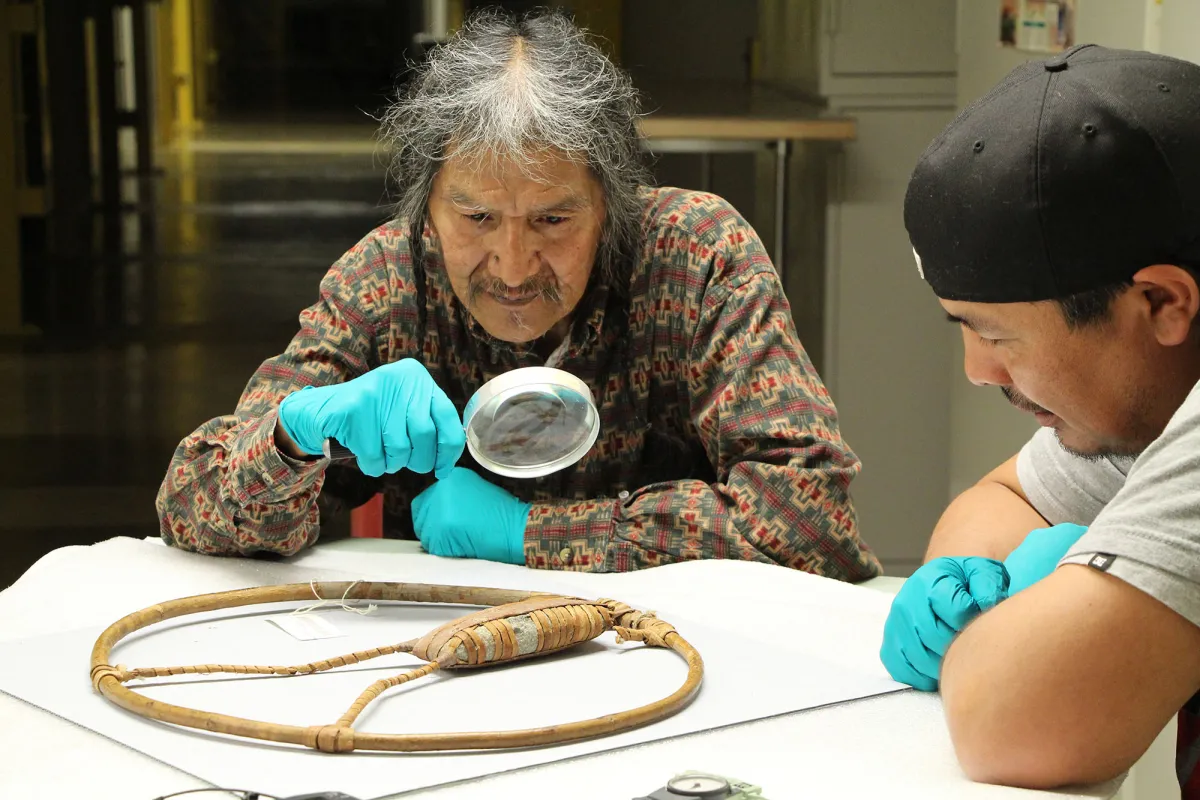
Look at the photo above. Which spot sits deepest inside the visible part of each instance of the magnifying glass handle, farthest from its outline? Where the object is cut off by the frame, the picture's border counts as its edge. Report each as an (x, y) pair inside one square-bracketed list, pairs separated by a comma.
[(335, 451)]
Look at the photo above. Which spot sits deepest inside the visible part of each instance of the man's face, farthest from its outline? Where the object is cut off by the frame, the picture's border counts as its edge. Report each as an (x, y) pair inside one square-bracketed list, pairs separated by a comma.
[(518, 249), (1107, 388)]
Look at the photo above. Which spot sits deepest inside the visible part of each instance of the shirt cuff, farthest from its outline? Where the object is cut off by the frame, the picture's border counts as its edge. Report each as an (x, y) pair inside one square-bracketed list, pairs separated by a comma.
[(571, 535), (261, 472), (1176, 591)]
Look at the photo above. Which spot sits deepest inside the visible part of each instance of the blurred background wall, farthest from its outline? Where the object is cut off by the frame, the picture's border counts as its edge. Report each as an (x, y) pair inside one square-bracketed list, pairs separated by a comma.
[(176, 176)]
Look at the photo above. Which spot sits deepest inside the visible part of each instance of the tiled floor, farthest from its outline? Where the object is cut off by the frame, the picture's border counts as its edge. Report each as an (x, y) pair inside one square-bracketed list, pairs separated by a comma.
[(245, 225)]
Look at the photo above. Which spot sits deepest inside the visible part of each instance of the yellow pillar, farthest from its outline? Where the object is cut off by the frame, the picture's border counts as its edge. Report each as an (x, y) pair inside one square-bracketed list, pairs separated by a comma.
[(175, 109), (10, 253), (454, 15), (183, 66)]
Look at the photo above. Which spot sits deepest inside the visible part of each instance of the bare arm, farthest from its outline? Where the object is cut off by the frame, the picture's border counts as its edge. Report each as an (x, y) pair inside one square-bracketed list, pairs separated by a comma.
[(1102, 668), (989, 519)]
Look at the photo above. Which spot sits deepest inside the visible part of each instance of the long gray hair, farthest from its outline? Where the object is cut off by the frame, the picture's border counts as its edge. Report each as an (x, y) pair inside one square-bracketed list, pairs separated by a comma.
[(513, 88)]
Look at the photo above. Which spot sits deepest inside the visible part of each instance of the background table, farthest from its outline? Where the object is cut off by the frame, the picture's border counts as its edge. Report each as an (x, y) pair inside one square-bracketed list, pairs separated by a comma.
[(894, 746), (706, 135)]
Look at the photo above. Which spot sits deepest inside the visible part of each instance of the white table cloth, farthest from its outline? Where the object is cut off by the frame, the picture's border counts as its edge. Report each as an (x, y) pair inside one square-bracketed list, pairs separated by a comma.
[(894, 746)]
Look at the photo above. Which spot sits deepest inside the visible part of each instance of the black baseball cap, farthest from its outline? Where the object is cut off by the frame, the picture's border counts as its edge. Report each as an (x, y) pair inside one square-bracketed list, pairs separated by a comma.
[(1073, 173)]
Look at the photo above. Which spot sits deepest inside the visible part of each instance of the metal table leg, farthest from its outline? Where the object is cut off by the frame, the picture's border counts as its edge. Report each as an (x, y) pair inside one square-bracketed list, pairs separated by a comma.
[(779, 256), (706, 171)]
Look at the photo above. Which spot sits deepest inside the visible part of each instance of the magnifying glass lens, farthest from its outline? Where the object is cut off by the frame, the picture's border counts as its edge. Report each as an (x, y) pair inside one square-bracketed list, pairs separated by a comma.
[(531, 423)]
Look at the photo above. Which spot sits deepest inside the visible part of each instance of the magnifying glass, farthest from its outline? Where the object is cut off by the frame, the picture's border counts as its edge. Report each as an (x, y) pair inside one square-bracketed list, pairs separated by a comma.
[(525, 423)]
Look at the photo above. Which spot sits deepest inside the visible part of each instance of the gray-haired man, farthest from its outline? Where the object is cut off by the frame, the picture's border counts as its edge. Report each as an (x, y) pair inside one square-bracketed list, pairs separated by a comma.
[(526, 235)]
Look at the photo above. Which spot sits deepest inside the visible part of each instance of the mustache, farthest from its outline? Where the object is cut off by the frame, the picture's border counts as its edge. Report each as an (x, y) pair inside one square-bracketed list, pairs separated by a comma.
[(1021, 401), (542, 287)]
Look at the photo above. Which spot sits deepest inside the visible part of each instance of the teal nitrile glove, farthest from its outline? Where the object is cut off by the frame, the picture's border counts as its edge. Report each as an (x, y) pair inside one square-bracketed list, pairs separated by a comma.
[(1039, 554), (392, 418), (465, 516), (929, 611)]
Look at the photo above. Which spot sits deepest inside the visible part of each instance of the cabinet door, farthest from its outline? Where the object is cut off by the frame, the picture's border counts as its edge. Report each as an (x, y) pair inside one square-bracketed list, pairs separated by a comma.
[(889, 46), (889, 363)]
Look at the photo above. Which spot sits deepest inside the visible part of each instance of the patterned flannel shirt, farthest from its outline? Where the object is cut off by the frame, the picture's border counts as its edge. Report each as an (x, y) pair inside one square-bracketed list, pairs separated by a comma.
[(717, 439)]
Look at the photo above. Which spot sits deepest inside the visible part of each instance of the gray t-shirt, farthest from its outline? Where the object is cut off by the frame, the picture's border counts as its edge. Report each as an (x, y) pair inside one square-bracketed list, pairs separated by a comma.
[(1143, 514)]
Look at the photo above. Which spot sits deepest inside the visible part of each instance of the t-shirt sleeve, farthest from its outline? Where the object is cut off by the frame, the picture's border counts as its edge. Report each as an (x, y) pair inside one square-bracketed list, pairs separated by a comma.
[(1149, 535), (1066, 488)]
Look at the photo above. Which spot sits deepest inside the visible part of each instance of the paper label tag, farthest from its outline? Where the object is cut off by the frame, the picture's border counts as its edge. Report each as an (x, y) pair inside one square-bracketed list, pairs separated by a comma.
[(306, 627)]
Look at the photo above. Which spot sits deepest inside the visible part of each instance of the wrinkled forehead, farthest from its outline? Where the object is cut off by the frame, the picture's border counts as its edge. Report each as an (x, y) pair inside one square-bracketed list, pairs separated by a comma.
[(547, 178)]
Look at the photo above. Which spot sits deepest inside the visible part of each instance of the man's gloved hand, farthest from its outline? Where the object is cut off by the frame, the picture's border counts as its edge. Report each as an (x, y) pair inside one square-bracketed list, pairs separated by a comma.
[(465, 516), (391, 418), (1039, 554), (929, 611)]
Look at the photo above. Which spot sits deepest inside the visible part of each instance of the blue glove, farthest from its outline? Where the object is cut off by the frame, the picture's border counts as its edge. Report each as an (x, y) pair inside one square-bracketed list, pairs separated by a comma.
[(391, 418), (465, 516), (1039, 554), (929, 611)]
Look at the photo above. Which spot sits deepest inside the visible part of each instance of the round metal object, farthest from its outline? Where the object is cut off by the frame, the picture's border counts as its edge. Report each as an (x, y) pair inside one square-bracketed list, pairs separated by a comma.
[(531, 422), (703, 786)]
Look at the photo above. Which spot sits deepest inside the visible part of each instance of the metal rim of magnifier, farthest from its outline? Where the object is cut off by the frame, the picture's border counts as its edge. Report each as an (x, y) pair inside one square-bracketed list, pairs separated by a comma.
[(520, 381)]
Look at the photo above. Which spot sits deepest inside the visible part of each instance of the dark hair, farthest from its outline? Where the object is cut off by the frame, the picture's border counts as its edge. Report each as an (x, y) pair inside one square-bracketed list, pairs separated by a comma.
[(1094, 305)]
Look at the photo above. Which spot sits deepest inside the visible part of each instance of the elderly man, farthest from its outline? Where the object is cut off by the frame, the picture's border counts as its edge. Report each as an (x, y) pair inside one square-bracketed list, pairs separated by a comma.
[(1058, 222), (526, 236)]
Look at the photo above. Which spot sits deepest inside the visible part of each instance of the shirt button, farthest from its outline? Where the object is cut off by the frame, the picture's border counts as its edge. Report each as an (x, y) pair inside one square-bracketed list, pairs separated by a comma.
[(623, 495), (565, 554)]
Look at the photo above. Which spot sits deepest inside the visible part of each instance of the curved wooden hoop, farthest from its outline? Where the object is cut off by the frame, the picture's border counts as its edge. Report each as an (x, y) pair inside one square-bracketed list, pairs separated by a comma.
[(629, 624)]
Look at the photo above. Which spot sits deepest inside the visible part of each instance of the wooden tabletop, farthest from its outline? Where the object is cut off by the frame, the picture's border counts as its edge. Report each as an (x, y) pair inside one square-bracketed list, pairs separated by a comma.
[(764, 128)]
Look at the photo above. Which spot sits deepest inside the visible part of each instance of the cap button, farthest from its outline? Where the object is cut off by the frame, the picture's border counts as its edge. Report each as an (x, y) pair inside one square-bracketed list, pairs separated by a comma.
[(1057, 64)]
